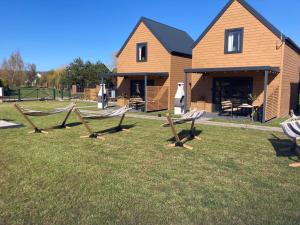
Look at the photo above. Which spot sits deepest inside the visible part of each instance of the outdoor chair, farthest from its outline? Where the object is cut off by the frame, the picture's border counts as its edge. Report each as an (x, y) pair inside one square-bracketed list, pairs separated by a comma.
[(227, 107), (136, 103), (292, 130), (26, 112), (98, 115), (191, 116)]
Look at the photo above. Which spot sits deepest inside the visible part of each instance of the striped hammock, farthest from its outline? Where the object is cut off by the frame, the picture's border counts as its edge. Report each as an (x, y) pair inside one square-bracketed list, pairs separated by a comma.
[(89, 114), (190, 116), (32, 112), (291, 129)]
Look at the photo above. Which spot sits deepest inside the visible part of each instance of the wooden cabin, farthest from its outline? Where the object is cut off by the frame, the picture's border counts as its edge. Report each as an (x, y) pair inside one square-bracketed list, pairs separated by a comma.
[(151, 63), (241, 55)]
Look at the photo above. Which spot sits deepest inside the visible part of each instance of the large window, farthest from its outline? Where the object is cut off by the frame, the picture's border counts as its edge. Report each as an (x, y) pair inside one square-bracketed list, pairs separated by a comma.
[(141, 52), (234, 41), (236, 90)]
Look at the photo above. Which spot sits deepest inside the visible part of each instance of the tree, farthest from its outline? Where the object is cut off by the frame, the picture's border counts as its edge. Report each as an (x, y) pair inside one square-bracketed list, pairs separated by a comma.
[(83, 74), (31, 74), (54, 77), (114, 62), (14, 68), (4, 72)]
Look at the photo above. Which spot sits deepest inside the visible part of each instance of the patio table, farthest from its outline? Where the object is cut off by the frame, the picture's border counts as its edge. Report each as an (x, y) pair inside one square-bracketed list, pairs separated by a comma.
[(245, 106)]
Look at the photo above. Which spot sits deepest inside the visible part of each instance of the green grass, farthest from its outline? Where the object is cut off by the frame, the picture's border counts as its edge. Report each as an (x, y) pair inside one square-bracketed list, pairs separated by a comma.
[(272, 123), (232, 176), (161, 113)]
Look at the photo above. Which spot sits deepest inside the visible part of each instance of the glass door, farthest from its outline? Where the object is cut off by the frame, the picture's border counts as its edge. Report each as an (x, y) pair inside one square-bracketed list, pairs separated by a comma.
[(236, 90)]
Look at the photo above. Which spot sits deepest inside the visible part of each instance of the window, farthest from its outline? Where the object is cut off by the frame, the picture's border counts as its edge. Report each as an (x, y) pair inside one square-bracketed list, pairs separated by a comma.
[(141, 52), (234, 41)]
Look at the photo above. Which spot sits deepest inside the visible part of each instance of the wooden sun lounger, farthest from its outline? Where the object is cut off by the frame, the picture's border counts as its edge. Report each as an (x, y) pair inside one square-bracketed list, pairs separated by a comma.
[(188, 117), (83, 114), (27, 112), (292, 130)]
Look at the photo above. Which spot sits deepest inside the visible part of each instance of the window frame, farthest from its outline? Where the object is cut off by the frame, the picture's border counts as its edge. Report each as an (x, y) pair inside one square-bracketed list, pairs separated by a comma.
[(227, 31), (138, 45)]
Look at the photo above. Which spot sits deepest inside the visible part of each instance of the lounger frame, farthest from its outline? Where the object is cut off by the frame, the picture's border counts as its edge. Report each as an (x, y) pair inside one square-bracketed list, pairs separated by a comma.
[(96, 135), (45, 130), (182, 142)]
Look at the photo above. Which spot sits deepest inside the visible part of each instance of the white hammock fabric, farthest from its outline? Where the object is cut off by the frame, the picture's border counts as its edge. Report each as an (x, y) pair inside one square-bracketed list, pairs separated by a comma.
[(291, 129), (32, 112), (190, 116), (89, 114)]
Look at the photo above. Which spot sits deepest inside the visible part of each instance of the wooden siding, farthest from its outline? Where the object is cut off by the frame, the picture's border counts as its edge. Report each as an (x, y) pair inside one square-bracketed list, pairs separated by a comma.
[(91, 93), (259, 46), (157, 98), (290, 81), (272, 103), (159, 85), (202, 90), (159, 60), (178, 64)]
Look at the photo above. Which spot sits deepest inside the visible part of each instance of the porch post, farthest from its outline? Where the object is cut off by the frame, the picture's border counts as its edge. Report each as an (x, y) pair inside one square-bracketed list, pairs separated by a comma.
[(102, 87), (145, 85), (265, 96), (185, 91)]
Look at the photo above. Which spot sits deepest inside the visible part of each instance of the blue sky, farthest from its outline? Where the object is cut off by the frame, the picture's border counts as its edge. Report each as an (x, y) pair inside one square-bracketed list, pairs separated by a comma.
[(51, 33)]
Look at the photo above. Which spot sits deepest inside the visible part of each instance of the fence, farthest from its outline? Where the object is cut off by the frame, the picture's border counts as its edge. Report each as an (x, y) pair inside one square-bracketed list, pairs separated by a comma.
[(157, 98), (33, 93)]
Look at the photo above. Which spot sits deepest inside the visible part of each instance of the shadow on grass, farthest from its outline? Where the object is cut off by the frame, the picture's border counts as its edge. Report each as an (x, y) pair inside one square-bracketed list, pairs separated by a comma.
[(116, 129), (74, 124), (59, 127), (284, 148), (185, 133)]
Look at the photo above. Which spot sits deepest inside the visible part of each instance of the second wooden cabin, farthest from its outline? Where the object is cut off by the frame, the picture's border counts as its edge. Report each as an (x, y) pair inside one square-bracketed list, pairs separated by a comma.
[(151, 63)]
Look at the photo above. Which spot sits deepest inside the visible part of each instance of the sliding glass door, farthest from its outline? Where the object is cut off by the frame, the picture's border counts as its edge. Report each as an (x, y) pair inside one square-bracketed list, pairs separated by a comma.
[(236, 90)]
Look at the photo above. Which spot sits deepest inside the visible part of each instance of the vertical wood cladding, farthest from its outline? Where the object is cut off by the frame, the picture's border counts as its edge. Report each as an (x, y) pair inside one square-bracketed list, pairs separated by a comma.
[(260, 48), (159, 60)]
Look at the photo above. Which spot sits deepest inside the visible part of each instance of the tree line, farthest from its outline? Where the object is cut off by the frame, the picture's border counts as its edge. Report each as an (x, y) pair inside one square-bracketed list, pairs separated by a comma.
[(15, 73)]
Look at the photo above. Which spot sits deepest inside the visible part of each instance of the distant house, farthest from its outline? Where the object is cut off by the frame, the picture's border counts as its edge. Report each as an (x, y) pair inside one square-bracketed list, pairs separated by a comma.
[(151, 63), (241, 53)]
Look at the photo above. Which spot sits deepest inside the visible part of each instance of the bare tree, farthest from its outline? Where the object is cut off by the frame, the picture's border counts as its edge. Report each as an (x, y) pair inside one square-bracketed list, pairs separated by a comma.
[(14, 67), (114, 62), (3, 71), (31, 74)]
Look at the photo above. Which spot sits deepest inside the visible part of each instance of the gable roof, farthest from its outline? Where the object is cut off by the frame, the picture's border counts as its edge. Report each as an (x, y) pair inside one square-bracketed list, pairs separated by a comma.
[(175, 41), (258, 16)]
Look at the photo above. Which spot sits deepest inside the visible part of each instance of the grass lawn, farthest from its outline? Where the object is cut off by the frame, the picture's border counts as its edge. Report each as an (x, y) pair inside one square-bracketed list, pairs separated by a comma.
[(272, 123), (233, 176)]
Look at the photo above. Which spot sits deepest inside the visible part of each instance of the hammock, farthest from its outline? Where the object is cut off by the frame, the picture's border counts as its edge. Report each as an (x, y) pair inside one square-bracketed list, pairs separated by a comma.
[(292, 130), (26, 112), (88, 114), (32, 112), (191, 116)]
